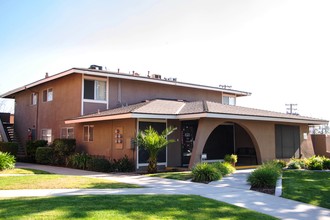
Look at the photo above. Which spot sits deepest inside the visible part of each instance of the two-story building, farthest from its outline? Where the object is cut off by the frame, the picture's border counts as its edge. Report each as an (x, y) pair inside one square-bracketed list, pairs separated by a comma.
[(104, 111)]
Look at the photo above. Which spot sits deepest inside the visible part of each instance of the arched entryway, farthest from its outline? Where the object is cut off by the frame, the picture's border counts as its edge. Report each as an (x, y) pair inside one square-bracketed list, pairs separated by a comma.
[(230, 138)]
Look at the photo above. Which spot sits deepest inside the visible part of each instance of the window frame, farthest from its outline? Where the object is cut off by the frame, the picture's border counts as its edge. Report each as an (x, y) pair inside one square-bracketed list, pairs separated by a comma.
[(34, 98), (48, 135), (96, 93), (230, 99), (47, 95), (67, 135), (90, 133)]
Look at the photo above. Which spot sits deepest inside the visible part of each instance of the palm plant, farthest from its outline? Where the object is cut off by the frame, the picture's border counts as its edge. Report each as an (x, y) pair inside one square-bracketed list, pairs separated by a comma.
[(154, 142)]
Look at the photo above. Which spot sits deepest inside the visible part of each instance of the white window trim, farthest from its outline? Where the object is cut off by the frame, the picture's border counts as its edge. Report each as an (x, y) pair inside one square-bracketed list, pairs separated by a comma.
[(229, 96), (88, 133), (47, 100), (51, 134), (34, 95), (138, 165), (67, 128)]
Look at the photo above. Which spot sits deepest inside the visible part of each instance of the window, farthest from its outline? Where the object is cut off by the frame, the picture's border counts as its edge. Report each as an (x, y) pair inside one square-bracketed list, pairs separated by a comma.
[(287, 141), (46, 134), (67, 133), (47, 95), (34, 98), (229, 100), (88, 133), (95, 90)]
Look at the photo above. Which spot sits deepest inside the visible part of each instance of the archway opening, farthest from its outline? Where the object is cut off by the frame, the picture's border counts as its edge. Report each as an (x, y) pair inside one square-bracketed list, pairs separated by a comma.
[(230, 138)]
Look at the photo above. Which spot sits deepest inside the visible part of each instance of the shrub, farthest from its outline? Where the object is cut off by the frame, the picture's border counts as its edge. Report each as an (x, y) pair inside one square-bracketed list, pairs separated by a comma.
[(326, 163), (44, 155), (79, 160), (280, 163), (9, 147), (63, 148), (31, 148), (301, 163), (224, 168), (315, 163), (99, 164), (204, 173), (265, 176), (294, 165), (232, 159), (123, 165), (7, 161)]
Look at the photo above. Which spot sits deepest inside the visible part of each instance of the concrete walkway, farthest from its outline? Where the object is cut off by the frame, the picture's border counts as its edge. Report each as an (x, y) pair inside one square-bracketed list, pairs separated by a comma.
[(233, 190)]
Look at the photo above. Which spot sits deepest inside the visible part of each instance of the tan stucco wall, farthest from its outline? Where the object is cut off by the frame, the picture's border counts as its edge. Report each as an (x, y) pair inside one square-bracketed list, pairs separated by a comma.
[(104, 139), (321, 144), (51, 115), (262, 134)]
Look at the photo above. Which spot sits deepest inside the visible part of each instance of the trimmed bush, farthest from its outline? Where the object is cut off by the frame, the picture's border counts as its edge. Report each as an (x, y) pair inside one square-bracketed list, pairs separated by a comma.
[(224, 168), (232, 159), (31, 148), (44, 155), (280, 163), (99, 164), (294, 165), (63, 148), (123, 165), (7, 161), (265, 176), (205, 173), (326, 163), (79, 160), (315, 163), (9, 147)]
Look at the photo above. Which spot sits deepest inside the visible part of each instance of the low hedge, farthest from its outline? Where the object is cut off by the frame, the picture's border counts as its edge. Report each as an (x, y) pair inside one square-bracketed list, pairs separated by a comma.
[(265, 176), (9, 147), (63, 148), (205, 173), (224, 168), (31, 148), (44, 155)]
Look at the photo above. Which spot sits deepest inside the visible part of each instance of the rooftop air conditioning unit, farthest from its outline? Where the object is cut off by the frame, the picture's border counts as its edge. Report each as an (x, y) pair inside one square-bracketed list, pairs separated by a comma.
[(156, 76), (95, 67)]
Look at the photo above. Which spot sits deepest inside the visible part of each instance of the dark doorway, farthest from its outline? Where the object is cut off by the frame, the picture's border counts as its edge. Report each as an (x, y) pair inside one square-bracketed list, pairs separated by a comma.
[(220, 142), (188, 134)]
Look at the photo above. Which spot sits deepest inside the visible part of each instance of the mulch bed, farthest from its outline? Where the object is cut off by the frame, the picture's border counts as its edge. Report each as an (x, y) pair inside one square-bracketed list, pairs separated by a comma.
[(270, 191)]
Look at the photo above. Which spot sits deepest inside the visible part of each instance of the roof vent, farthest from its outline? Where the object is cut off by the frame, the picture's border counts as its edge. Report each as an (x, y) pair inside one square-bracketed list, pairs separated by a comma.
[(95, 67), (156, 76)]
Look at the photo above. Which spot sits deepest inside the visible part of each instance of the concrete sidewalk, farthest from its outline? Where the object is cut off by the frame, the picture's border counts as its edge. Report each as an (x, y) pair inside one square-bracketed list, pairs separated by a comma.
[(233, 190)]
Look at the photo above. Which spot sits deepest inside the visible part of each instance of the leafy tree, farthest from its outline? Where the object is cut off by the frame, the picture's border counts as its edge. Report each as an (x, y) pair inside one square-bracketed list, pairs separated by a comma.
[(153, 142)]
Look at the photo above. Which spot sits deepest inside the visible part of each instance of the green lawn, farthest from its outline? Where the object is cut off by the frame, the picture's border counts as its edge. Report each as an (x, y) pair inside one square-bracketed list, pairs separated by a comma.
[(53, 181), (123, 207), (307, 186), (23, 171), (173, 175)]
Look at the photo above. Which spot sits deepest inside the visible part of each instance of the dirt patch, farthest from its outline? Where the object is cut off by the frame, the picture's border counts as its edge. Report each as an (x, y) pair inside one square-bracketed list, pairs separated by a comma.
[(270, 191)]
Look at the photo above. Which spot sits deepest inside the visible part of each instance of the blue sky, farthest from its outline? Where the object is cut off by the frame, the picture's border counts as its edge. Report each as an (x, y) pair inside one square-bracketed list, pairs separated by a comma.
[(278, 50)]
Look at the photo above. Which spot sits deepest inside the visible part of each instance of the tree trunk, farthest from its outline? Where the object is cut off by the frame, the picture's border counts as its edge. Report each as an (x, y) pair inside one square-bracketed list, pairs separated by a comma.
[(152, 167)]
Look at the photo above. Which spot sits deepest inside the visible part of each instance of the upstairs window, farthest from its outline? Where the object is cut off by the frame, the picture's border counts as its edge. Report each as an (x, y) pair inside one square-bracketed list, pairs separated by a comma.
[(95, 90), (34, 98), (47, 95), (229, 100), (67, 133)]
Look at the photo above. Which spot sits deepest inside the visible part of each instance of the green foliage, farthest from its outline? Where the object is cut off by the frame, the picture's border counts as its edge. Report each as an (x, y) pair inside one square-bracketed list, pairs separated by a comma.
[(265, 176), (326, 163), (315, 163), (99, 164), (9, 147), (44, 155), (63, 148), (153, 142), (280, 163), (123, 165), (294, 165), (7, 161), (204, 173), (79, 160), (224, 168), (232, 158), (31, 148)]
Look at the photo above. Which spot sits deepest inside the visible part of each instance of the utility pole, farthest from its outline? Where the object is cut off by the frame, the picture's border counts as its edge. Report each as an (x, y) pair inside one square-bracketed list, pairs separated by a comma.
[(291, 109)]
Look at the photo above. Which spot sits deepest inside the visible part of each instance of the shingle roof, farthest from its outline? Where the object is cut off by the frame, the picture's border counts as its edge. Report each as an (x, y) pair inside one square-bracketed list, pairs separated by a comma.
[(177, 109)]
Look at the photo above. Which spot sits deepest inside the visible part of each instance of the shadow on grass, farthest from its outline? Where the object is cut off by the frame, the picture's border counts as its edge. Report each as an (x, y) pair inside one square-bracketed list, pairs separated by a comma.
[(124, 206), (310, 187)]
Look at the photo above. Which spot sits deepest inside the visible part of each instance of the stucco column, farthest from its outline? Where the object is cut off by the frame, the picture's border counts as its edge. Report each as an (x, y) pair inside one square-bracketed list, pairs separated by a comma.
[(205, 127)]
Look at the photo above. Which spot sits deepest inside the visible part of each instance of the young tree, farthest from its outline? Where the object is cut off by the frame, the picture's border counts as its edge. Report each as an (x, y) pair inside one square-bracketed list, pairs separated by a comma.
[(153, 142)]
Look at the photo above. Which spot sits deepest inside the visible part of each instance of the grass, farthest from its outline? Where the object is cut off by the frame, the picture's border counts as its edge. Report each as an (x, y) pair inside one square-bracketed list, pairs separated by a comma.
[(173, 175), (123, 207), (53, 181), (307, 186), (23, 171)]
